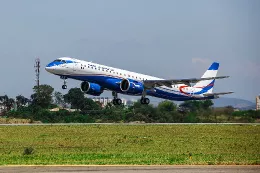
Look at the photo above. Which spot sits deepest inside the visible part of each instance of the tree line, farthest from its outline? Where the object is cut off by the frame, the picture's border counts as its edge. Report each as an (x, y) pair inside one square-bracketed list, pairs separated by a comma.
[(44, 98)]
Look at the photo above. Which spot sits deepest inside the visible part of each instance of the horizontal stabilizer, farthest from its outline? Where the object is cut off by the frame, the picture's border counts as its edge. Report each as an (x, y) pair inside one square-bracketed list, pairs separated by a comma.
[(217, 94)]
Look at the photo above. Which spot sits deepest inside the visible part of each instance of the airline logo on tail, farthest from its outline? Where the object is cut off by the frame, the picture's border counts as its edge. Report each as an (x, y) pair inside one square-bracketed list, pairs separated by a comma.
[(205, 85)]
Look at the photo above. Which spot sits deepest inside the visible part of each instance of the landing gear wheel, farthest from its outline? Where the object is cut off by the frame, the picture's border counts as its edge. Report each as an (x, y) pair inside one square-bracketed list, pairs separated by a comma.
[(145, 101), (64, 87), (64, 78), (114, 101), (117, 101)]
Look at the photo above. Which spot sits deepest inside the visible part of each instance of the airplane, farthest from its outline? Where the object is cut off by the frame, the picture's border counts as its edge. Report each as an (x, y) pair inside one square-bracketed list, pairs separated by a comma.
[(96, 78)]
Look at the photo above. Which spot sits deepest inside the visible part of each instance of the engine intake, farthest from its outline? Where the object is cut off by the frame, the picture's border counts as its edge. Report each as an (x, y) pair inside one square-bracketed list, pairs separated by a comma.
[(131, 87), (91, 88)]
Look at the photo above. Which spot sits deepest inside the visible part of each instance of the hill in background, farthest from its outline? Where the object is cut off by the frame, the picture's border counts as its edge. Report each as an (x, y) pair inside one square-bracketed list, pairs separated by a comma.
[(235, 102), (240, 104)]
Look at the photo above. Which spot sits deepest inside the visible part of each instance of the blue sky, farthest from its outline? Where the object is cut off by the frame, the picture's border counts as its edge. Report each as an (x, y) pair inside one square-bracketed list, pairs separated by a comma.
[(167, 38)]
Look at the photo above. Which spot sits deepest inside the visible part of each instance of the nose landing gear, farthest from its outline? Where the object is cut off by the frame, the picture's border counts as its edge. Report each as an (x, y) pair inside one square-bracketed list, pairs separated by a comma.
[(64, 86)]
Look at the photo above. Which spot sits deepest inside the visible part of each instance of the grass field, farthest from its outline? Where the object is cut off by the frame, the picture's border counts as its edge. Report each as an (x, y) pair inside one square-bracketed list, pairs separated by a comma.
[(137, 144)]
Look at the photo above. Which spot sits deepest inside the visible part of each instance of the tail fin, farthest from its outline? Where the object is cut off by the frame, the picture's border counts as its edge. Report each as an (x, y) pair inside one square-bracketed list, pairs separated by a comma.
[(208, 85)]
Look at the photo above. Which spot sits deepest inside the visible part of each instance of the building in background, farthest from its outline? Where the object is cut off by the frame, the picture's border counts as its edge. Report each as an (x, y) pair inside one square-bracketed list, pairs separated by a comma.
[(258, 102), (105, 100)]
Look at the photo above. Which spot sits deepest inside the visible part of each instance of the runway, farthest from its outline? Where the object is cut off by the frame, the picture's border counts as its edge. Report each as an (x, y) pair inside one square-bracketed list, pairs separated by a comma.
[(132, 169)]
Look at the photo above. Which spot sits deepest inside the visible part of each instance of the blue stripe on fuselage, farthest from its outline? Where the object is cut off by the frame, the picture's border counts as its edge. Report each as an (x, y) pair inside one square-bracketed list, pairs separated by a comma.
[(54, 64), (57, 63)]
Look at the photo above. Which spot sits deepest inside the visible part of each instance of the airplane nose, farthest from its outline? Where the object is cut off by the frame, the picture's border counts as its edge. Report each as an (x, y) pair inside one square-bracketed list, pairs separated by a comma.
[(50, 69)]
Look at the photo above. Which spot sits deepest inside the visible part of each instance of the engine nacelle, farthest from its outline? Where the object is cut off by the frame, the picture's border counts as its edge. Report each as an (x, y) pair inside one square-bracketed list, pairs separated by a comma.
[(131, 87), (91, 88)]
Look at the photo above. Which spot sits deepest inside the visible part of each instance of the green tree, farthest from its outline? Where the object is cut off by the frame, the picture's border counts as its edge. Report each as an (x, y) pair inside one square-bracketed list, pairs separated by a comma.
[(75, 97), (140, 112), (206, 104), (89, 104), (195, 106), (42, 96), (167, 106), (7, 103), (113, 114), (167, 111), (187, 106), (59, 99), (21, 101)]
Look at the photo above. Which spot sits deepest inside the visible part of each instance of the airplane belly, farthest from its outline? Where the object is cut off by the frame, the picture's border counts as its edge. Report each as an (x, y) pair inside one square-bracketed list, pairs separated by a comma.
[(170, 95)]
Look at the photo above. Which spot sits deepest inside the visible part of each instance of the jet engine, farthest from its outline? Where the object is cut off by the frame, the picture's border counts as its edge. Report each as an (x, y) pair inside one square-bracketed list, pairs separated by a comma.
[(131, 87), (91, 88)]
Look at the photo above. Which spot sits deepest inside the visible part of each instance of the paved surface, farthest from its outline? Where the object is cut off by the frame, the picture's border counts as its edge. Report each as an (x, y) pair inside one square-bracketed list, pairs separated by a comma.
[(133, 169)]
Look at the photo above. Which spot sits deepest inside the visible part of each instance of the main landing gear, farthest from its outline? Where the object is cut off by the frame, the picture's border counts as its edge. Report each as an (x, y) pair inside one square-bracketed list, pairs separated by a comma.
[(64, 86), (116, 100), (145, 101)]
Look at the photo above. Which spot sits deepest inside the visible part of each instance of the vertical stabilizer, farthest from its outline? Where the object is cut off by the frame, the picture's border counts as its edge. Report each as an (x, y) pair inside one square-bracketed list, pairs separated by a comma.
[(208, 84)]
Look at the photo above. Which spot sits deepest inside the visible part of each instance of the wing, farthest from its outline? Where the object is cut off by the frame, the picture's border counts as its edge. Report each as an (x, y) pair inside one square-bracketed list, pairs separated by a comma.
[(217, 94), (169, 83)]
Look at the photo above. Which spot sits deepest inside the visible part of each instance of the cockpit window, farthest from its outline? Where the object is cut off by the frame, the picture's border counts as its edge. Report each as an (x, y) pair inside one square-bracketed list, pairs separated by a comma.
[(57, 60), (61, 61)]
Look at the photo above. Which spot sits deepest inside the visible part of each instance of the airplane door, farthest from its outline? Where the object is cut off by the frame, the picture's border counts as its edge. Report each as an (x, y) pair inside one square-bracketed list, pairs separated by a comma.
[(75, 66), (192, 91)]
